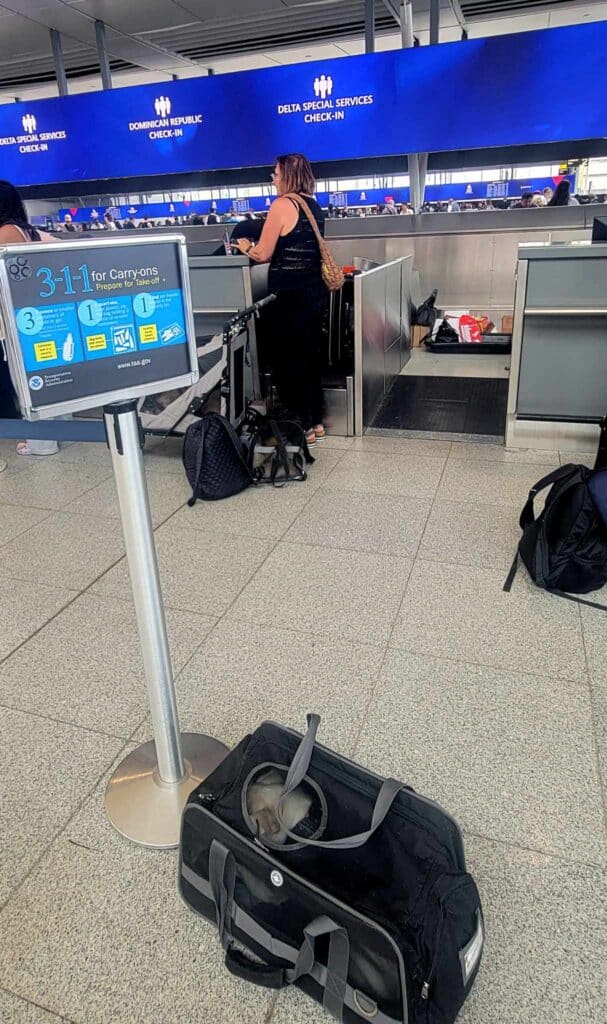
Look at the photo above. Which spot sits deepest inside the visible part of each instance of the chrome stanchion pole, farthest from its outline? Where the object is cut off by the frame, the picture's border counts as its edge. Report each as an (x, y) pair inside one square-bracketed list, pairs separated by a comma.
[(147, 792)]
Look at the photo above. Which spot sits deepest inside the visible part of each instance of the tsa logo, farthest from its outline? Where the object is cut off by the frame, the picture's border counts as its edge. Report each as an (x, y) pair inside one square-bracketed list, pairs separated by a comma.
[(29, 124), (162, 106), (323, 86), (36, 383)]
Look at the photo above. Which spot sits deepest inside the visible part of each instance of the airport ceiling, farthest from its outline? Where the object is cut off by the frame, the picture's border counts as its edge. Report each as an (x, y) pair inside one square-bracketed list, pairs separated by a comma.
[(150, 40)]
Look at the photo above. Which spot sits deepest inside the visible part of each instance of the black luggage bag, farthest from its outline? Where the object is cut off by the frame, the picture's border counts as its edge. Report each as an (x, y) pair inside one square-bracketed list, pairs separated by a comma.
[(384, 924)]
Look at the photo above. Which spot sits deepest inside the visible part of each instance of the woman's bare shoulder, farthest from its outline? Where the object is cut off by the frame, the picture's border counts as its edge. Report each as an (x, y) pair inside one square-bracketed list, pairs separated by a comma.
[(282, 203), (9, 233)]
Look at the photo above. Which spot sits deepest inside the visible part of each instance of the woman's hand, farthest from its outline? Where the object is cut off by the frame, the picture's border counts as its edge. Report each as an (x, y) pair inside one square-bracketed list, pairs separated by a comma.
[(243, 245)]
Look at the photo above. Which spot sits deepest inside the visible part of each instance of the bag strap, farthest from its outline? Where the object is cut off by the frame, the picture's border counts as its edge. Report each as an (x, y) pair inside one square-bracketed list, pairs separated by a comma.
[(236, 444), (511, 574), (296, 774), (580, 600), (306, 209), (222, 879), (601, 455), (337, 963), (281, 455), (558, 593), (199, 458), (527, 515)]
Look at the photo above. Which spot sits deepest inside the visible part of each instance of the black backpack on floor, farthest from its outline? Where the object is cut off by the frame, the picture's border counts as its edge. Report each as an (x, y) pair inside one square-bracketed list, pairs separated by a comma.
[(214, 459), (565, 549), (364, 902)]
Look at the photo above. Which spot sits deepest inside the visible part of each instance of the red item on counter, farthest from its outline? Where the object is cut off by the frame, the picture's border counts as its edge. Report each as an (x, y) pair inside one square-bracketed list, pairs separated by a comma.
[(470, 330)]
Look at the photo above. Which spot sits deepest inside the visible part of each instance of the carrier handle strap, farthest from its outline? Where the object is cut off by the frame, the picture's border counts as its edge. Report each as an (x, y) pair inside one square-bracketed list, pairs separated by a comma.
[(241, 966), (296, 774), (337, 964), (222, 879), (527, 515), (281, 456)]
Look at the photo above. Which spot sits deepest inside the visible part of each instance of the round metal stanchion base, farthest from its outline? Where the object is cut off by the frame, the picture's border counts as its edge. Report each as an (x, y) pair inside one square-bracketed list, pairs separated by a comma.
[(144, 808)]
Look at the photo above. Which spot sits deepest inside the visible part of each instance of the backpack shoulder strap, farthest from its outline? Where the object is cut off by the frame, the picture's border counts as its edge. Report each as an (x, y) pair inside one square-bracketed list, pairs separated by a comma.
[(601, 455), (233, 436), (199, 458), (562, 473), (580, 600)]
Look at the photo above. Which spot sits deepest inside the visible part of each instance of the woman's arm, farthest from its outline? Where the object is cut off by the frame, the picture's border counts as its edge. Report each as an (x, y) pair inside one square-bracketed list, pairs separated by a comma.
[(282, 214)]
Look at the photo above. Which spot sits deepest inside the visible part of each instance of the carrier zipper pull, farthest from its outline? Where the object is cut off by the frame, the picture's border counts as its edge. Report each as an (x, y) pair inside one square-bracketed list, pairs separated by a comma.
[(438, 935)]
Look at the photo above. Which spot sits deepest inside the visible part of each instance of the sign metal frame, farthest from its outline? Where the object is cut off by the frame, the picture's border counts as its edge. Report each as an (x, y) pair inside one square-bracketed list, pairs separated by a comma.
[(94, 400)]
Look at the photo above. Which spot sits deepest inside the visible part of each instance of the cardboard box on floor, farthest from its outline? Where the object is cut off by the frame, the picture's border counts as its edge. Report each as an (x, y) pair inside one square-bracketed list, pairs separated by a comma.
[(417, 336)]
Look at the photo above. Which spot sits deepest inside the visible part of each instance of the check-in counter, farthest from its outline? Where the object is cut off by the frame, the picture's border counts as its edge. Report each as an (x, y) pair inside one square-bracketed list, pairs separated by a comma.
[(471, 258), (220, 287), (557, 392)]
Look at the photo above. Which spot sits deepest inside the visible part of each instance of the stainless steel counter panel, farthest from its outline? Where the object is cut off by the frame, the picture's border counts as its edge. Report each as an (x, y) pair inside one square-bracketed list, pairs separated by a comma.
[(373, 306), (220, 286), (217, 283), (541, 218), (382, 333), (470, 257), (582, 284), (563, 369), (559, 356)]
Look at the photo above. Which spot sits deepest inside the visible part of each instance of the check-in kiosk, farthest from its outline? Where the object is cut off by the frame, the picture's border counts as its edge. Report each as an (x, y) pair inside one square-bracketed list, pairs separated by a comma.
[(104, 323)]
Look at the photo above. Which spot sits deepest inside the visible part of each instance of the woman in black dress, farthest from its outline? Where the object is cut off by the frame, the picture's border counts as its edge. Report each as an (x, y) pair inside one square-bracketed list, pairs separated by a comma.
[(294, 322), (16, 229)]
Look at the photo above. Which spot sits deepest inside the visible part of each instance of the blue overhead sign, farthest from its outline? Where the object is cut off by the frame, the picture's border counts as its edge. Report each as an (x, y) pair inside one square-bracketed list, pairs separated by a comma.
[(501, 91)]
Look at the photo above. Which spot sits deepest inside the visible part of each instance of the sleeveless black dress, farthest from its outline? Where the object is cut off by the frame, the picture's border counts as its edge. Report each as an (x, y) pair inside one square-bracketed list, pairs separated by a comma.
[(295, 321)]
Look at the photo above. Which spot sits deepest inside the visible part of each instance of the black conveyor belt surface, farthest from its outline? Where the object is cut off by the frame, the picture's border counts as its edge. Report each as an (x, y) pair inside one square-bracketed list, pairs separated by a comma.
[(456, 404)]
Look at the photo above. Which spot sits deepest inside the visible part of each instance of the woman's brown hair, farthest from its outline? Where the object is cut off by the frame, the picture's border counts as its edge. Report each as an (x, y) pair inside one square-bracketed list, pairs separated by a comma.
[(297, 174)]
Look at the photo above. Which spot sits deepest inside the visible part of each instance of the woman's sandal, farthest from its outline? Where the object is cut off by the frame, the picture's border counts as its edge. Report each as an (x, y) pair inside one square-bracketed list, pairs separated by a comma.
[(320, 432), (23, 449), (311, 437)]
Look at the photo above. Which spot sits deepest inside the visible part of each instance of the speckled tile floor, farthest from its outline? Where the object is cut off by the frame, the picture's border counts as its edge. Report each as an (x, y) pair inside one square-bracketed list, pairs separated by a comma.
[(371, 594)]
